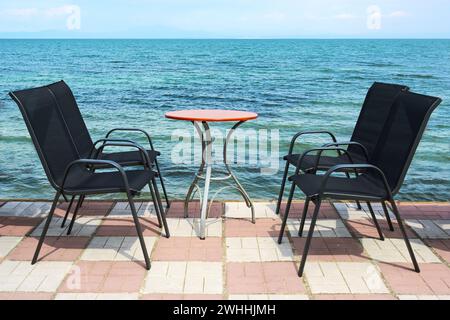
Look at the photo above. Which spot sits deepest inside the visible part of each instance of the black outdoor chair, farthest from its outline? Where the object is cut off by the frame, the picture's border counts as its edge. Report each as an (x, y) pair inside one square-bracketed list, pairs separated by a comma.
[(68, 173), (88, 149), (372, 117), (379, 179)]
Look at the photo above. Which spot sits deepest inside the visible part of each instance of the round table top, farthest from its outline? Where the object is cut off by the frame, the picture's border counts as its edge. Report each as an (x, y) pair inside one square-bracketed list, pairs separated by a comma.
[(211, 115)]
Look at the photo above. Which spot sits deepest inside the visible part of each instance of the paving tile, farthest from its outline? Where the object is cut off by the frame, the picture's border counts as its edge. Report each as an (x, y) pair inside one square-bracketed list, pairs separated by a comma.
[(117, 249), (331, 249), (168, 296), (144, 209), (365, 228), (431, 229), (176, 209), (25, 209), (257, 249), (53, 249), (97, 296), (263, 278), (17, 226), (26, 296), (188, 249), (105, 277), (354, 297), (180, 227), (350, 211), (434, 279), (245, 228), (344, 277), (125, 227), (83, 227), (44, 276), (324, 228), (423, 297), (7, 244), (441, 247), (394, 250), (184, 278), (411, 210), (89, 208), (327, 210), (268, 297), (240, 210)]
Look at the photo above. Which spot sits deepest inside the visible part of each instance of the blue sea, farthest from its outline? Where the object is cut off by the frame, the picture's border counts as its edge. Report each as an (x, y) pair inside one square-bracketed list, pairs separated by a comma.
[(294, 85)]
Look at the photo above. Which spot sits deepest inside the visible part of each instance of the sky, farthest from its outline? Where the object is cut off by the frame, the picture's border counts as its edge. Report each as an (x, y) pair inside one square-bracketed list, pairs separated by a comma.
[(225, 19)]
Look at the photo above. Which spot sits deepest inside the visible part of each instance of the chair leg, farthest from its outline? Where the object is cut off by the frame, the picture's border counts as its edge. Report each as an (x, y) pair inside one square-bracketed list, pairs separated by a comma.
[(162, 183), (156, 205), (82, 202), (405, 236), (305, 212), (74, 217), (283, 184), (358, 205), (388, 218), (68, 211), (47, 224), (286, 213), (161, 210), (375, 221), (139, 231), (308, 239)]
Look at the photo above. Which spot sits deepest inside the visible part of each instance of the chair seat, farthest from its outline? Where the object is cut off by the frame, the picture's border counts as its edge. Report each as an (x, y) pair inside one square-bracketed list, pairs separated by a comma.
[(86, 182), (362, 187), (129, 158), (326, 162)]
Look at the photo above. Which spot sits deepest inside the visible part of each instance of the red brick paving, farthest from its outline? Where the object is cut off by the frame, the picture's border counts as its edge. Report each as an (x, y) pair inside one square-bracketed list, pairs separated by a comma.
[(17, 226), (354, 297), (89, 208), (188, 249), (245, 228), (327, 211), (107, 277), (263, 278), (53, 249), (441, 247), (182, 297), (365, 228), (125, 227), (26, 296), (331, 249), (433, 279), (425, 210), (176, 209)]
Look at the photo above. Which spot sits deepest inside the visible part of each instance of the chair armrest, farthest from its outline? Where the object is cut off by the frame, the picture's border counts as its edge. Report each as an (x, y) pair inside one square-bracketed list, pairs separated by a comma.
[(92, 162), (132, 130), (303, 133), (346, 167), (319, 155), (350, 143), (144, 154), (105, 140)]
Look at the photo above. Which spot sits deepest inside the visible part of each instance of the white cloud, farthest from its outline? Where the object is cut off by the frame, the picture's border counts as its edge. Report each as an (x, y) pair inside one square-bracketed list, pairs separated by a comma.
[(398, 14), (38, 13), (345, 16)]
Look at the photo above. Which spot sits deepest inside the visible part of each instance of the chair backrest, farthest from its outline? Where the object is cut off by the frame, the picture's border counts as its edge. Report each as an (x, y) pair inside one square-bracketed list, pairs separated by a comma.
[(48, 131), (374, 113), (72, 116), (401, 135)]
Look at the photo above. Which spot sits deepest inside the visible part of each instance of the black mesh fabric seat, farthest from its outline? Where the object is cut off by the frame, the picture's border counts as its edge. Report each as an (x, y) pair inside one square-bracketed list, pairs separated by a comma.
[(366, 133), (69, 173), (363, 186), (379, 179), (88, 182), (84, 143)]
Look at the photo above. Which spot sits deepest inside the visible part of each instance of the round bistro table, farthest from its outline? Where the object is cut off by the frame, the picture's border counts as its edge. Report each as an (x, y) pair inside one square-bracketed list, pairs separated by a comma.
[(200, 119)]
